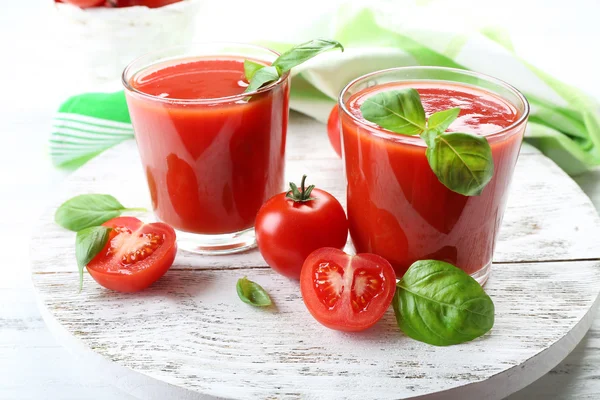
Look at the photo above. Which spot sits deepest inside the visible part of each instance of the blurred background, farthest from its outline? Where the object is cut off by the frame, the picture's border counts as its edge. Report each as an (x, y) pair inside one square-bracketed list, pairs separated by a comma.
[(42, 65)]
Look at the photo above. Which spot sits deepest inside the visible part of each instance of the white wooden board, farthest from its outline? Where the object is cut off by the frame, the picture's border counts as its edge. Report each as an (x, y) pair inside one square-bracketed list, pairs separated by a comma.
[(189, 335)]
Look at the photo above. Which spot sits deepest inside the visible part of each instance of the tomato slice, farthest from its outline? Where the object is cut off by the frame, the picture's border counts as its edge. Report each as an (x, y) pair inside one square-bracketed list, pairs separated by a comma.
[(345, 292), (135, 256)]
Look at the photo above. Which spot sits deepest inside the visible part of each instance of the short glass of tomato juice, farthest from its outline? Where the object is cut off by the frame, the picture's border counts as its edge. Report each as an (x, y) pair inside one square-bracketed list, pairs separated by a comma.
[(212, 154), (397, 207)]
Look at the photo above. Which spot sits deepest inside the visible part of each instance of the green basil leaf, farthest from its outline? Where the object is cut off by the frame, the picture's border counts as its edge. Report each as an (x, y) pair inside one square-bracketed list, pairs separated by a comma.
[(87, 210), (441, 120), (88, 244), (304, 52), (250, 68), (439, 304), (399, 111), (258, 75), (262, 76), (438, 123), (429, 135), (461, 161), (252, 293)]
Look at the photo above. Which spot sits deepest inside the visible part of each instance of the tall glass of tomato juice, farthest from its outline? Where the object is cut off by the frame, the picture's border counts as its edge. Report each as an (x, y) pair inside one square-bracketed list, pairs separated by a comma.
[(212, 154), (397, 207)]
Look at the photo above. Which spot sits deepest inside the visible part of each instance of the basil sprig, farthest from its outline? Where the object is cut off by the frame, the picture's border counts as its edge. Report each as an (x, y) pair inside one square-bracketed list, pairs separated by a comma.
[(88, 244), (252, 293), (87, 210), (461, 161), (442, 305), (258, 75)]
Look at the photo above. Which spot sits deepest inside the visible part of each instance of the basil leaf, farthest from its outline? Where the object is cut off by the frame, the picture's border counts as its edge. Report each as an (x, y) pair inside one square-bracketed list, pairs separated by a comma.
[(439, 304), (304, 52), (250, 68), (462, 162), (87, 210), (252, 293), (441, 120), (399, 111), (258, 75), (438, 123), (262, 76), (88, 244)]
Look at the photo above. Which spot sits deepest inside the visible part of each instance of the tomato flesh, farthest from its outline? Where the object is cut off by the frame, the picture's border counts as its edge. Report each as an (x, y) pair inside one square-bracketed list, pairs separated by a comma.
[(333, 130), (344, 292), (135, 256)]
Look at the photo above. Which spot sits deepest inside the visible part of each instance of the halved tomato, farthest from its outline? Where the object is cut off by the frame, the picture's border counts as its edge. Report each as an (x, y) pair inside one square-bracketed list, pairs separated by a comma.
[(345, 292), (135, 256)]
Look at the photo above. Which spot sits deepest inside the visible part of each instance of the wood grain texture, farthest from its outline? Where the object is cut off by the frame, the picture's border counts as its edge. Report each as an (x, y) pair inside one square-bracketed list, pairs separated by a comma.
[(191, 332)]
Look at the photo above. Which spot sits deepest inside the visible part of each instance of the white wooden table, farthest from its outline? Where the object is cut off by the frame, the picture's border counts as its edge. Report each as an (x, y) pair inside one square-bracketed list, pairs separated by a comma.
[(33, 365), (190, 336)]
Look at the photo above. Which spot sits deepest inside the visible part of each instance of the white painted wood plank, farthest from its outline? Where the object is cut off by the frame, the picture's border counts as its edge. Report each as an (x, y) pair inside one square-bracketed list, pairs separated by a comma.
[(33, 365), (191, 330)]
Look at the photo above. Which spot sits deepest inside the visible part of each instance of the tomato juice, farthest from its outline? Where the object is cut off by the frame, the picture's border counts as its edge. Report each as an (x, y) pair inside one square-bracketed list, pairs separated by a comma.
[(211, 154), (398, 209)]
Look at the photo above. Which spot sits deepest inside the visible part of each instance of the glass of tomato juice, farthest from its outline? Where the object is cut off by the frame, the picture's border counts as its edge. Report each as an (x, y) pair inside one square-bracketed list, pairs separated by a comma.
[(212, 154), (397, 207)]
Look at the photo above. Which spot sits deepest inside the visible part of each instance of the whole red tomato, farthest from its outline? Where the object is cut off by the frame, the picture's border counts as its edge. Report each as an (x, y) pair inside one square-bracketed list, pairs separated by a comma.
[(84, 3), (344, 292), (291, 225), (135, 256), (333, 130)]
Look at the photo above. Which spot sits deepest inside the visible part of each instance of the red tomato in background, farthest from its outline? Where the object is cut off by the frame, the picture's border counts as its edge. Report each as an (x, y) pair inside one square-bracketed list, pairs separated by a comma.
[(345, 292), (333, 130), (147, 3), (287, 231), (118, 3), (135, 256), (84, 3)]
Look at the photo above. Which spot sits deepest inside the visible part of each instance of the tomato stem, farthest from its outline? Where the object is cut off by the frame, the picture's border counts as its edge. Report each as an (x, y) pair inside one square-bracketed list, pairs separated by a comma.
[(301, 195)]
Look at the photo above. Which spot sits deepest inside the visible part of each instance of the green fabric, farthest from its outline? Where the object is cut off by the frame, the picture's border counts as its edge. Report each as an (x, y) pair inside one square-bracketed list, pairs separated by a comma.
[(109, 106), (564, 122), (86, 125), (573, 140)]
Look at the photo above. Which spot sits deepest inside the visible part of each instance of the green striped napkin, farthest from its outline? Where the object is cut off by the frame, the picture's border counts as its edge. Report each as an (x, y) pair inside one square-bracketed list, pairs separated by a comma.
[(564, 121), (86, 125)]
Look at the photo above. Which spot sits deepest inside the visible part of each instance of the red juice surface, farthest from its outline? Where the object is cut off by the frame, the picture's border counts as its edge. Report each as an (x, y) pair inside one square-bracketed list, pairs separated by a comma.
[(398, 209), (210, 164)]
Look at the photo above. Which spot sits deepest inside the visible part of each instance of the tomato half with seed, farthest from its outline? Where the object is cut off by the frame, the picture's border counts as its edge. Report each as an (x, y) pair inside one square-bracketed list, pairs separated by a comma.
[(345, 292), (135, 256), (333, 130)]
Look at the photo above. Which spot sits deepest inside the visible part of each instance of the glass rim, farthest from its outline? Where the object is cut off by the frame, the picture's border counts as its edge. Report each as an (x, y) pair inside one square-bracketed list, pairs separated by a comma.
[(212, 100), (415, 138)]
